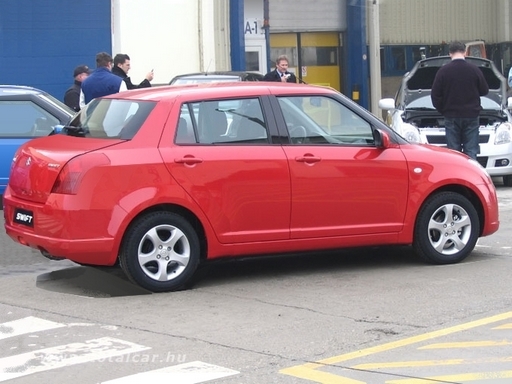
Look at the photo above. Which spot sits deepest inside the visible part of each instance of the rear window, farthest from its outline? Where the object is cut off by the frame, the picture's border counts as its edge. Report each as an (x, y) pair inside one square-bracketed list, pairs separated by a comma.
[(110, 119)]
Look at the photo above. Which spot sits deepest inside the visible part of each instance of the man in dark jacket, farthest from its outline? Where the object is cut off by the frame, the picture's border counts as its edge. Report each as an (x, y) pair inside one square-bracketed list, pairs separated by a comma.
[(121, 68), (281, 74), (455, 94), (102, 81), (72, 95)]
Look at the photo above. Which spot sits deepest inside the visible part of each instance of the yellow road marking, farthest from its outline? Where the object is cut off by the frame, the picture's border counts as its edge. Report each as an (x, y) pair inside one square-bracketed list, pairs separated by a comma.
[(504, 326), (465, 377), (309, 371), (467, 344), (430, 363)]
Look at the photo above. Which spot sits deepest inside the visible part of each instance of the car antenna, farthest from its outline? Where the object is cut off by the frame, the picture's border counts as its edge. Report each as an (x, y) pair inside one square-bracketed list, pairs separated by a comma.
[(208, 67)]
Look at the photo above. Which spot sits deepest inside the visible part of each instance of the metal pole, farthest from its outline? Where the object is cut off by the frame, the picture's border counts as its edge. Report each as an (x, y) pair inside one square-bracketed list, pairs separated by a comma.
[(374, 53), (266, 25)]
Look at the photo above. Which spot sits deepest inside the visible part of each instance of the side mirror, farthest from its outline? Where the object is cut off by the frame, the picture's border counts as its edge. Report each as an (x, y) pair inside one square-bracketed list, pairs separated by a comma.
[(381, 139), (387, 104)]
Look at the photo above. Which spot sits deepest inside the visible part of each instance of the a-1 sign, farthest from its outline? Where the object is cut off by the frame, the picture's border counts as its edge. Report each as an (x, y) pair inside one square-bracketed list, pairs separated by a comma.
[(253, 27)]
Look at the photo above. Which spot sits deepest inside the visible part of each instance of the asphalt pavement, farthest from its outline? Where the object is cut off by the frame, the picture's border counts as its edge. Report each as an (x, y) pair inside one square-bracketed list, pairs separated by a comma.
[(376, 315)]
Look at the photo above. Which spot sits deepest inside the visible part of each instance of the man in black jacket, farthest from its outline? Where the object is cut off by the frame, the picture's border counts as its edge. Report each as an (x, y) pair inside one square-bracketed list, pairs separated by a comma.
[(72, 95), (455, 94), (121, 68), (281, 74)]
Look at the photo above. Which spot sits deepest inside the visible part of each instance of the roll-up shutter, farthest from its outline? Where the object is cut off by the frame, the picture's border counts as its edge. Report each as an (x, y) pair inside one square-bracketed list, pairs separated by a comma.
[(307, 15)]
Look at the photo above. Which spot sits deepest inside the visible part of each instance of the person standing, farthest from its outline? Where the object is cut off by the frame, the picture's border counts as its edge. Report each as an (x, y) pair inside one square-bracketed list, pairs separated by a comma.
[(102, 81), (72, 95), (121, 68), (280, 73), (455, 94)]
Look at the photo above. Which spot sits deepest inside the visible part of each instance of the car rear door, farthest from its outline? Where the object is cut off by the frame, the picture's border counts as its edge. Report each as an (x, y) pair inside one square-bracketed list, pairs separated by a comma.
[(222, 156), (342, 184)]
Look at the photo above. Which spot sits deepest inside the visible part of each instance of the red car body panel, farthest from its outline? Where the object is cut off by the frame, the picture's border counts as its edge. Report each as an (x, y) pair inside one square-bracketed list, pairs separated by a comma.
[(248, 199)]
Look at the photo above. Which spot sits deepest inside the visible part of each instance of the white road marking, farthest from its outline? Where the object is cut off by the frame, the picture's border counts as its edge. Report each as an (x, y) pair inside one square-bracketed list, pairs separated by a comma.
[(188, 373), (65, 355), (26, 325)]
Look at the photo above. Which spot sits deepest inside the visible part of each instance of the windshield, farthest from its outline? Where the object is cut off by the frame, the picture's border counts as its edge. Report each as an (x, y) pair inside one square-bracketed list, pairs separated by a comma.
[(110, 119)]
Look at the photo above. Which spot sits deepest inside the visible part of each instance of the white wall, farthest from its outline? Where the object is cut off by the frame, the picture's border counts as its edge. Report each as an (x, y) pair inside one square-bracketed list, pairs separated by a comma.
[(171, 37)]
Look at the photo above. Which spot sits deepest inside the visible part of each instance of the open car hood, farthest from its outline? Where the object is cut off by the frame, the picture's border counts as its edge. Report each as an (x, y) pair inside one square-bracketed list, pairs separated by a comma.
[(418, 82)]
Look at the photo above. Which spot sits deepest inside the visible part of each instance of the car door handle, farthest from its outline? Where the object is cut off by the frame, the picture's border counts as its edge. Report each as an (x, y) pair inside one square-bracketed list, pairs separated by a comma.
[(188, 160), (308, 159)]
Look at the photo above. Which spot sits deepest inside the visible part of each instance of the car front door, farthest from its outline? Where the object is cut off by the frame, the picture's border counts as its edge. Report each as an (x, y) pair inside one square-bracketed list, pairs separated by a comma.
[(223, 158), (342, 184)]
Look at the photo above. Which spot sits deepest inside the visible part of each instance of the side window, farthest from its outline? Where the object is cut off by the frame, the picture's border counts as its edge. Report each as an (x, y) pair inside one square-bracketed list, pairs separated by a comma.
[(185, 131), (239, 121), (25, 119), (321, 120)]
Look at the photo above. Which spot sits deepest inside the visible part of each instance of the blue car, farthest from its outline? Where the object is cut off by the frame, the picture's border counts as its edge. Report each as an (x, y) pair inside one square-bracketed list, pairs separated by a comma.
[(25, 113)]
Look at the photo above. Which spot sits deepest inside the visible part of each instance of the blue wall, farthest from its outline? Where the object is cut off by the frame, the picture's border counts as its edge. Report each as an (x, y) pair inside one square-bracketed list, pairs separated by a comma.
[(41, 42)]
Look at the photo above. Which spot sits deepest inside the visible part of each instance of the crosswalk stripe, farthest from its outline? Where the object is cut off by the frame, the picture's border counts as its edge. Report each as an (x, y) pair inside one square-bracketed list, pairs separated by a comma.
[(65, 355), (188, 373), (26, 325)]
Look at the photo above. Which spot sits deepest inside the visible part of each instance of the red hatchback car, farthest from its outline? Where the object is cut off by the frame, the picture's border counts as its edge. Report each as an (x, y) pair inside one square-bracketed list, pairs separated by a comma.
[(161, 179)]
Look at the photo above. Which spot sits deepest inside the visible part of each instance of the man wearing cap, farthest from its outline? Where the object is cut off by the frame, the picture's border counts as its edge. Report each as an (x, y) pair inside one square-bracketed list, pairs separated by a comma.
[(72, 95)]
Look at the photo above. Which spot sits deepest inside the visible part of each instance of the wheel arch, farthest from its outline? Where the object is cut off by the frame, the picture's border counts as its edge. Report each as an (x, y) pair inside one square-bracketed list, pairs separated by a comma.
[(180, 210), (468, 193)]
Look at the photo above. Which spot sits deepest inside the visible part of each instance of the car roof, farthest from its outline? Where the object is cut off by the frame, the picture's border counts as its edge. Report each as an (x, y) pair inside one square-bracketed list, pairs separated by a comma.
[(221, 90), (219, 75), (18, 90), (418, 81)]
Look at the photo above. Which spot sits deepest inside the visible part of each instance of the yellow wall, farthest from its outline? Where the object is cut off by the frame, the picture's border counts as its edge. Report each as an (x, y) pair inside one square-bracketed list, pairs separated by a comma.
[(329, 75)]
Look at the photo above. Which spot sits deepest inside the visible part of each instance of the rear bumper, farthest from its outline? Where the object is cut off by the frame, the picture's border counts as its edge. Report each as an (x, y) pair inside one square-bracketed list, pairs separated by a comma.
[(91, 251), (55, 231)]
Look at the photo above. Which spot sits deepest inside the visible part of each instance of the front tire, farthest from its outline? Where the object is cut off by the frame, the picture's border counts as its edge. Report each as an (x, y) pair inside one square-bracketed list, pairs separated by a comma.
[(507, 180), (447, 229), (160, 252)]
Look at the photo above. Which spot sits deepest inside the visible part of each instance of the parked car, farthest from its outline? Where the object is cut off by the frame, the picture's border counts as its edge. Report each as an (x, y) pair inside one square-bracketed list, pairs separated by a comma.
[(25, 113), (413, 116), (162, 179), (218, 76)]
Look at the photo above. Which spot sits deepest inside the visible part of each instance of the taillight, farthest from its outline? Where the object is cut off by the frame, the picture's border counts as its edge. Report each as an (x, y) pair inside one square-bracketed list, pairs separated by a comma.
[(69, 179)]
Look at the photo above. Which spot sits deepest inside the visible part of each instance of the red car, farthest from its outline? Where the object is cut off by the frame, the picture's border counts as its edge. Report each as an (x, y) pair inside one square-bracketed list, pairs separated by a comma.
[(161, 179)]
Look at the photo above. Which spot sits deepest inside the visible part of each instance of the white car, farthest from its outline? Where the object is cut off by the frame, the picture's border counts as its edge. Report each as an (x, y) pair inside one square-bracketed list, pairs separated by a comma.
[(413, 116)]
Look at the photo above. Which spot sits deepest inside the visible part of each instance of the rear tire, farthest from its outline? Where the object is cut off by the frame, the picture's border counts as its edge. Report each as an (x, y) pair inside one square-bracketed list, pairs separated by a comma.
[(447, 229), (160, 252)]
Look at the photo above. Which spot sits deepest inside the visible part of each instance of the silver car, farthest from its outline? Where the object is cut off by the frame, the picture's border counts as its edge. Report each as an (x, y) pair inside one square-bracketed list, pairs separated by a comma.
[(413, 116), (217, 76)]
